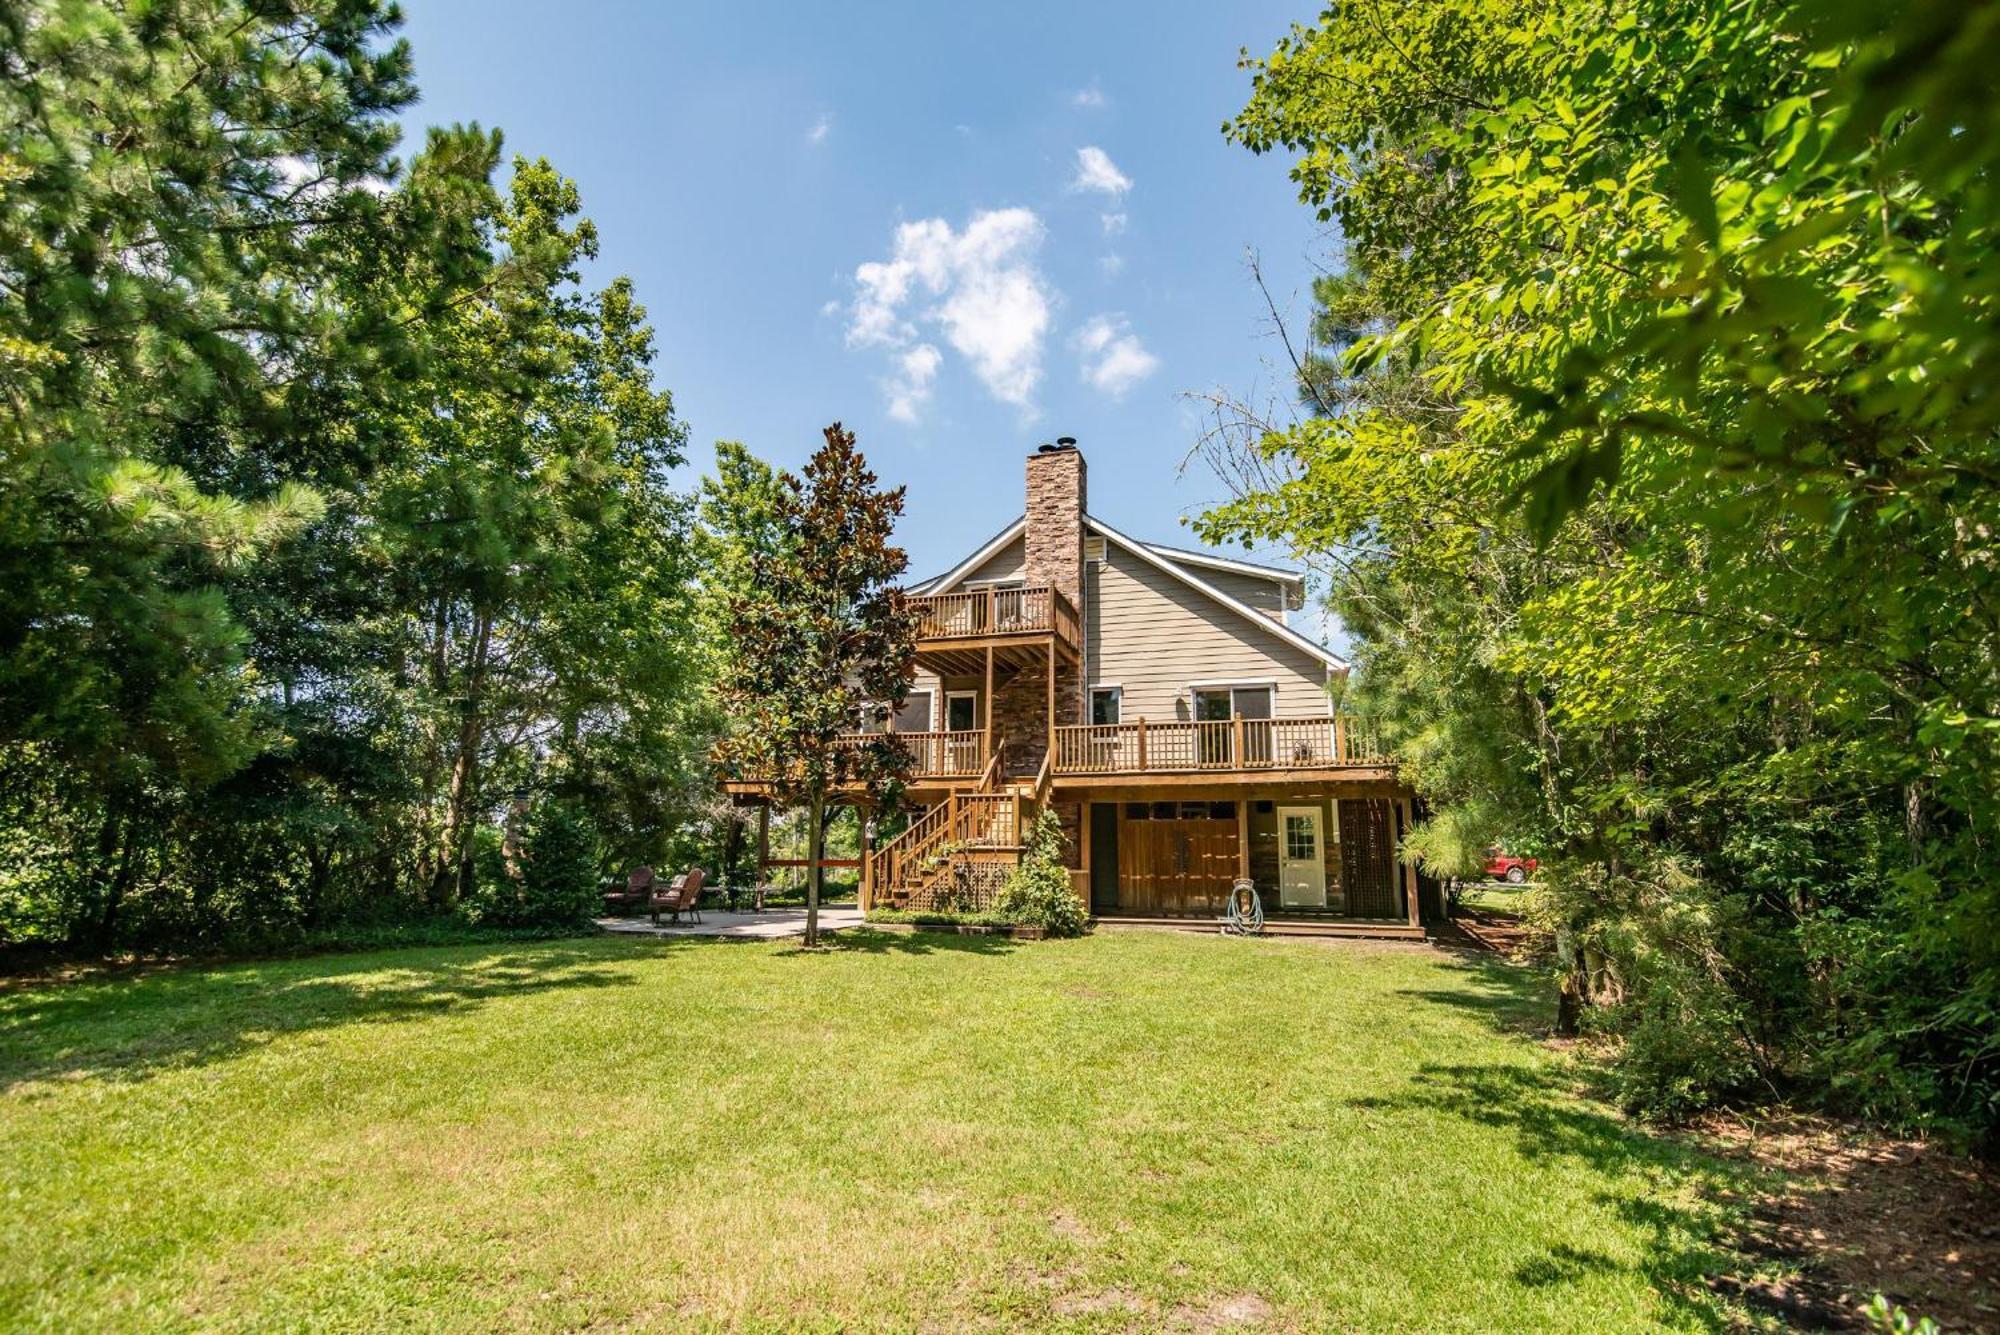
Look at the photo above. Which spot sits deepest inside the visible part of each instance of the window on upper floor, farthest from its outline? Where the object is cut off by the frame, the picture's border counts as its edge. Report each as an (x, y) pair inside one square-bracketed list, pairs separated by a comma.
[(1104, 703)]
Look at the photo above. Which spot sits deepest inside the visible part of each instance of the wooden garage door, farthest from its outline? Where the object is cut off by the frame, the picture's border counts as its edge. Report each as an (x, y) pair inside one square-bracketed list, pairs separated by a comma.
[(1176, 857)]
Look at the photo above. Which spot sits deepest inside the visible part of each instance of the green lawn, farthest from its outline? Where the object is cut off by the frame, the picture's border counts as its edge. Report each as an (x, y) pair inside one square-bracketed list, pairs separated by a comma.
[(1128, 1131), (1494, 895)]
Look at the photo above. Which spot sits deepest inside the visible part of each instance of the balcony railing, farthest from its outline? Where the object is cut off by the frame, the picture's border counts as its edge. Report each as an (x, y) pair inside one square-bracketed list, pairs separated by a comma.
[(934, 755), (1034, 609), (1223, 744)]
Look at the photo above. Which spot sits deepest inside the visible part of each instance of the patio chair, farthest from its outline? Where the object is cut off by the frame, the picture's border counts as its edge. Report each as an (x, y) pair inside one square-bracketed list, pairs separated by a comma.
[(638, 890), (683, 896)]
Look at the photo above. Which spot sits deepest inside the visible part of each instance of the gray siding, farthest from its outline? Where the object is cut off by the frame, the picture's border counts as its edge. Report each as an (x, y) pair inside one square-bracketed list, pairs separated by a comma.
[(1266, 595), (1153, 635), (1007, 563)]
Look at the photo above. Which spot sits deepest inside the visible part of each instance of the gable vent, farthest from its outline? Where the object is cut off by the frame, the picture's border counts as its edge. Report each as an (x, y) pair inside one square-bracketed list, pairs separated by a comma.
[(1093, 550)]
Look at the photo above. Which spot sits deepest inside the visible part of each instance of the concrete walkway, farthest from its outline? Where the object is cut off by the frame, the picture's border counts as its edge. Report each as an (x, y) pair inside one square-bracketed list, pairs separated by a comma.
[(770, 925)]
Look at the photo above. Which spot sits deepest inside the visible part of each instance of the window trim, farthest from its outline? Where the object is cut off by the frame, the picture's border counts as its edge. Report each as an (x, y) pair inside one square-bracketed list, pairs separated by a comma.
[(1117, 692), (1195, 689), (944, 722), (930, 710)]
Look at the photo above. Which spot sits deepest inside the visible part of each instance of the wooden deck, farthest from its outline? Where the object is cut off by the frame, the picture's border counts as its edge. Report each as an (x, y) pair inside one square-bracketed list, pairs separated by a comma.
[(958, 633), (1293, 747)]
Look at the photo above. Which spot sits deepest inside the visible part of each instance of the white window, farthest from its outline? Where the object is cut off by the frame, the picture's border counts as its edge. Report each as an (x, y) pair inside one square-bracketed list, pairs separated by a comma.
[(1105, 702)]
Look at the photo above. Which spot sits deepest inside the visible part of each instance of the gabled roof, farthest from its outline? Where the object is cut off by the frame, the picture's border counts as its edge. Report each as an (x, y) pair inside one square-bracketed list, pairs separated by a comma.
[(1292, 579), (1171, 567), (1169, 560)]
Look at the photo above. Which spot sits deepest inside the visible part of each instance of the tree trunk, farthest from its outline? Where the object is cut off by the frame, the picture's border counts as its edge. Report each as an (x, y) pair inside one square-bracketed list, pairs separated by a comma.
[(1572, 985), (454, 851), (815, 854), (113, 837)]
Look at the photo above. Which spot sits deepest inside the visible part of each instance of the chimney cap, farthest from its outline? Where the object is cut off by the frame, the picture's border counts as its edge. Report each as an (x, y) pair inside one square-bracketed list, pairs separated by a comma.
[(1065, 442)]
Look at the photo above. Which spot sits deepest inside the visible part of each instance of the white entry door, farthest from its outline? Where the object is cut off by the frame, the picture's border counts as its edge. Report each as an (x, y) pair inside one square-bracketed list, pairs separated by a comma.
[(1301, 860)]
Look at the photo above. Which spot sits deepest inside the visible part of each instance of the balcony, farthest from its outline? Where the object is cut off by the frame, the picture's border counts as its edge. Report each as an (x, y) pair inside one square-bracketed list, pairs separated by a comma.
[(954, 629), (933, 755), (1220, 746)]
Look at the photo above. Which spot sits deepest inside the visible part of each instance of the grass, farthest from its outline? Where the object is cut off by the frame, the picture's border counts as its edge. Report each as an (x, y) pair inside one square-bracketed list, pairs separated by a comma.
[(1494, 895), (1122, 1132)]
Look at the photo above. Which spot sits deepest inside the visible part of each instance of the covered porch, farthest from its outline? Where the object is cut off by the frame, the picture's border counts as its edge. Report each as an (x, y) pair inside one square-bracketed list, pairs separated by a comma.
[(1324, 854)]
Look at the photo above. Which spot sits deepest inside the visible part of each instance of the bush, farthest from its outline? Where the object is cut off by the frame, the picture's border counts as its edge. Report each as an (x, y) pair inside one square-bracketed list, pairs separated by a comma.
[(1683, 1049), (1650, 948), (562, 854), (943, 917), (1038, 892)]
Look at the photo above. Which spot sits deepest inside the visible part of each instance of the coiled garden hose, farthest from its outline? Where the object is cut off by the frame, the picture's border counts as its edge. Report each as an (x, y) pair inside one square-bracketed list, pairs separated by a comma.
[(1245, 914)]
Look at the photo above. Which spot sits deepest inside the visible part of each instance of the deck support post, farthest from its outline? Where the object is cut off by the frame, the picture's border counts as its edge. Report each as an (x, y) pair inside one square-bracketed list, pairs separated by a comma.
[(763, 840), (1052, 700), (986, 708), (1410, 871), (1242, 839), (866, 817)]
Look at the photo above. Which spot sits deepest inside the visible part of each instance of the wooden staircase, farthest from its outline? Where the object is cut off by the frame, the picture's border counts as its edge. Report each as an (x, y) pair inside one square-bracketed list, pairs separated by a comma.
[(959, 852)]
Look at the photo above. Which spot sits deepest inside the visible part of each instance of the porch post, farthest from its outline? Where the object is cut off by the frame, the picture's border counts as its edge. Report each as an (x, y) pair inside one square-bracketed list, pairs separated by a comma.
[(1052, 700), (865, 816), (1410, 871), (986, 705), (1242, 839), (763, 840)]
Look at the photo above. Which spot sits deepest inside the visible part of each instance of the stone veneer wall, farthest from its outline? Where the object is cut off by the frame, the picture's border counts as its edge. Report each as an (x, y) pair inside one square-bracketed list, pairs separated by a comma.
[(1058, 494), (1021, 713)]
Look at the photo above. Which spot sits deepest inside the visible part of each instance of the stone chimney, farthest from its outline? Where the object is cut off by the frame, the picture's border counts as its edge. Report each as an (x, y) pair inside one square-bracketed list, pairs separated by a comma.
[(1056, 476), (1057, 498)]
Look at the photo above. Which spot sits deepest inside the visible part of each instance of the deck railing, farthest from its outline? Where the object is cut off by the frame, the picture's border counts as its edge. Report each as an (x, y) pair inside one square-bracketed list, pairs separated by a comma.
[(942, 755), (1220, 744), (1034, 609)]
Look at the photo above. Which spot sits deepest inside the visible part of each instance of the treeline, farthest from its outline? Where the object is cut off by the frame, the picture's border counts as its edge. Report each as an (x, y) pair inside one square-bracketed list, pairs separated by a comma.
[(1649, 436), (341, 582)]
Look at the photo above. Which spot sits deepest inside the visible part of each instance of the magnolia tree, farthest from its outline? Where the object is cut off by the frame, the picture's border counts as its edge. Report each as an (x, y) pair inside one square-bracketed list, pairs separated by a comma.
[(818, 641)]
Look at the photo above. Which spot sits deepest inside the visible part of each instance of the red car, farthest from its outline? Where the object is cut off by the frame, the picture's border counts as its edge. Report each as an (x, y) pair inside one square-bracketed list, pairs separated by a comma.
[(1504, 866)]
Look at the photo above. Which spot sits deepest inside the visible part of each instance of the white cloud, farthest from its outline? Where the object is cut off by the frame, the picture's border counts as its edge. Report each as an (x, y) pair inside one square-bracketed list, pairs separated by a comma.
[(821, 128), (1091, 97), (1096, 171), (910, 386), (984, 294), (1111, 355), (1112, 264), (1114, 223)]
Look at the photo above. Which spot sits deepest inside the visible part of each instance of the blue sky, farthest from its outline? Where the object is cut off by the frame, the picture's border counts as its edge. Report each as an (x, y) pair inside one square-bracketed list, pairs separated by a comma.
[(961, 230)]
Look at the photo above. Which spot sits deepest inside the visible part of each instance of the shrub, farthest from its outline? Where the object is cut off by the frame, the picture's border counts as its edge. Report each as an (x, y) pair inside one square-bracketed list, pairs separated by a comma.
[(943, 917), (1683, 1049), (561, 856), (1038, 892), (1649, 946)]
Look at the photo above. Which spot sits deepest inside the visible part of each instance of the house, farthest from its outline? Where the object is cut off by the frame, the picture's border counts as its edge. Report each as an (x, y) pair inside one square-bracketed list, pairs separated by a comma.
[(1159, 703)]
